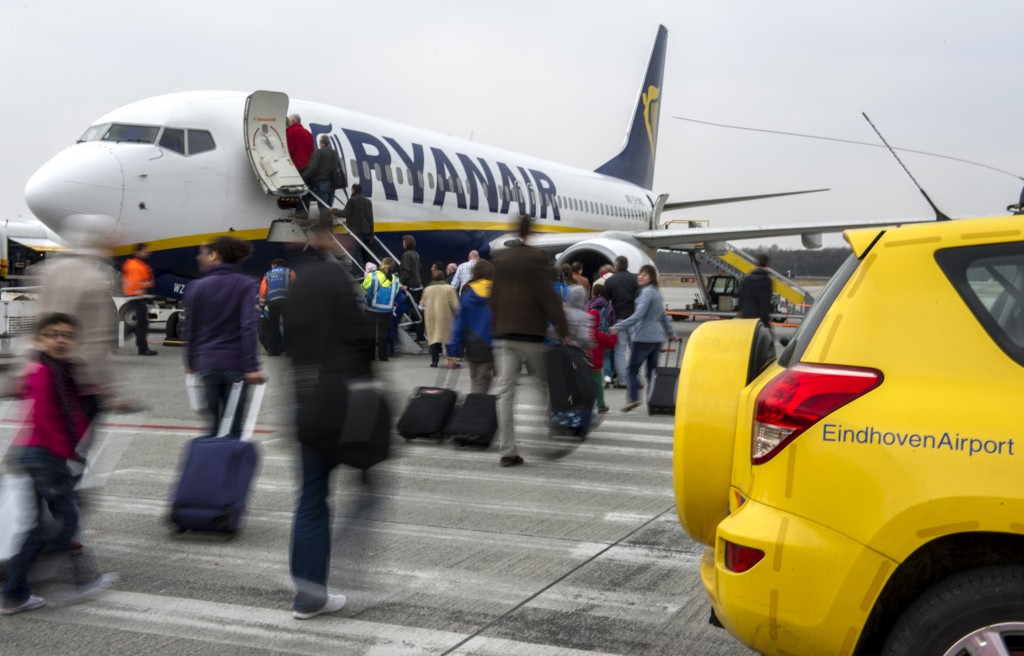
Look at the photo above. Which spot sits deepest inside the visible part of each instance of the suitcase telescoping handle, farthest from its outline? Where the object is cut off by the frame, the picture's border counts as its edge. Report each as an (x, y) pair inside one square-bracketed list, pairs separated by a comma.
[(676, 347), (232, 408)]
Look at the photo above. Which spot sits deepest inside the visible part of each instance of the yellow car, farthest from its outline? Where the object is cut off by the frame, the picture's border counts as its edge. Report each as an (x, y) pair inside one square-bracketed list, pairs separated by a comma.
[(863, 491)]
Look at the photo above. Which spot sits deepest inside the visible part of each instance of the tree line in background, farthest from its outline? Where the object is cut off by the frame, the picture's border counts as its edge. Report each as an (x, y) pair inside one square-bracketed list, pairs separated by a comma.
[(803, 263)]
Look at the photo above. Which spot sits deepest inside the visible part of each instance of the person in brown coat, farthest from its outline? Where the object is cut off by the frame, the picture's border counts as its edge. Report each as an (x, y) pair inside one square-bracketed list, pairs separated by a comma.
[(439, 307), (523, 302)]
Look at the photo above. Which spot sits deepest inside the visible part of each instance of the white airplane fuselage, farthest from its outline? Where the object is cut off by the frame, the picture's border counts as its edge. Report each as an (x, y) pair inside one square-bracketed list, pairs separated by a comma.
[(460, 194)]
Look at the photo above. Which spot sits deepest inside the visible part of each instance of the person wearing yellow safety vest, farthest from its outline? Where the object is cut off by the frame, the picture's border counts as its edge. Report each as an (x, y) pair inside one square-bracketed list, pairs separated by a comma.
[(381, 288), (137, 281)]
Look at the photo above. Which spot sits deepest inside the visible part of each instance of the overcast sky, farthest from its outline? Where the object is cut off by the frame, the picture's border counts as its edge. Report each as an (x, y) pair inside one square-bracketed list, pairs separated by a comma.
[(558, 79)]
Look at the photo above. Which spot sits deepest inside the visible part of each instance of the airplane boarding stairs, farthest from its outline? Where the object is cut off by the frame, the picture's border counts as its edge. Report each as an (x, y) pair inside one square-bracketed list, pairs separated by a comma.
[(739, 263), (293, 229)]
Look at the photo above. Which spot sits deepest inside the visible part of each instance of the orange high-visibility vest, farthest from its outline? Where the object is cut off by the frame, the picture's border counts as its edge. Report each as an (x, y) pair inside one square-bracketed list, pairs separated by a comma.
[(136, 277)]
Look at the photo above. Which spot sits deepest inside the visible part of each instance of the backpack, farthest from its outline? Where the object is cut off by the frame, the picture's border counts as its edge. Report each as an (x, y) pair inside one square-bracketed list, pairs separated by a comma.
[(604, 310)]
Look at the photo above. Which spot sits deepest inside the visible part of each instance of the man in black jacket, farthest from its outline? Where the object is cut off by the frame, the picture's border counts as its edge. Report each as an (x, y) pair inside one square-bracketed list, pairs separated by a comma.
[(319, 175), (330, 334), (358, 215), (755, 295), (622, 288)]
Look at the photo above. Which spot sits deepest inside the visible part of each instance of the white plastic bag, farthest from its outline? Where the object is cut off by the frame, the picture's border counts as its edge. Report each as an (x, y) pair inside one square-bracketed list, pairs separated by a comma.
[(196, 393), (17, 500)]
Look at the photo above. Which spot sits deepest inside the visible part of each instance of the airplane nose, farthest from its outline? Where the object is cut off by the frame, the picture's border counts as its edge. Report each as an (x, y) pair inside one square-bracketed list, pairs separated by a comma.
[(86, 178)]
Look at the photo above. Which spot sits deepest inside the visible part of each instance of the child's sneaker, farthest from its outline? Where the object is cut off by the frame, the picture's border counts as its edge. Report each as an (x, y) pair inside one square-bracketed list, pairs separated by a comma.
[(31, 603)]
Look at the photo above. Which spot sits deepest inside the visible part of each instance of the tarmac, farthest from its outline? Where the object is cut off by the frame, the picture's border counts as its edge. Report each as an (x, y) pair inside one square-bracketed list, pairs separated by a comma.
[(581, 554)]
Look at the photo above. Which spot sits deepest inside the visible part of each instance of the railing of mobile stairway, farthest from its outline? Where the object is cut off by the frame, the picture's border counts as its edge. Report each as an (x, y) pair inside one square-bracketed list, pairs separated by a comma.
[(418, 315)]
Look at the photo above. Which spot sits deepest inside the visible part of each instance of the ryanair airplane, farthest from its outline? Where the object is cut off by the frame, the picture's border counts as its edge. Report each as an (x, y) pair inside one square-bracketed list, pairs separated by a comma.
[(176, 170)]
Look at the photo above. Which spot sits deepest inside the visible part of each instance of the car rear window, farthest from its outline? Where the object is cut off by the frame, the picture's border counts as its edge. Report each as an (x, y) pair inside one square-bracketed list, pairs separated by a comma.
[(990, 280), (794, 351)]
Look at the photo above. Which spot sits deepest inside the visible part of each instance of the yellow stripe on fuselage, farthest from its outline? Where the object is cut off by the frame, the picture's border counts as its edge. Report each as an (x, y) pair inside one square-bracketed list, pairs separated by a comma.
[(256, 234)]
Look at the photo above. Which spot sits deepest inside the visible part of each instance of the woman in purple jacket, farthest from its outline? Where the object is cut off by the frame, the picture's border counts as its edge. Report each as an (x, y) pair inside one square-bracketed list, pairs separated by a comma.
[(221, 322)]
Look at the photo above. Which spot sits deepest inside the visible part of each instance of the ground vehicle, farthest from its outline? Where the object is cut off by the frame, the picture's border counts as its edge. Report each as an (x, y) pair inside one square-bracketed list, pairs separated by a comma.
[(859, 494), (719, 285)]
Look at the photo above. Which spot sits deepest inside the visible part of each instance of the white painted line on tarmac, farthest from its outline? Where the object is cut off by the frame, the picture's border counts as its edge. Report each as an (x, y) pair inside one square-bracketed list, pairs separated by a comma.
[(256, 628)]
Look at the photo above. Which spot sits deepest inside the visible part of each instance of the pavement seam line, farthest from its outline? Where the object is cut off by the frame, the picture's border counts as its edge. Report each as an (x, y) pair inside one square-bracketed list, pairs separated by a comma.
[(561, 578)]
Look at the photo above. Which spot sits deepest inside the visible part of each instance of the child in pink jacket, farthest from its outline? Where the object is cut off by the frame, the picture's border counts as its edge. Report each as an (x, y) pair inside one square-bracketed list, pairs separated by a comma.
[(55, 424)]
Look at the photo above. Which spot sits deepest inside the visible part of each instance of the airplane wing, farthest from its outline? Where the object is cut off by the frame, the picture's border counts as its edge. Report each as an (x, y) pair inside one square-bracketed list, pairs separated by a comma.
[(683, 238)]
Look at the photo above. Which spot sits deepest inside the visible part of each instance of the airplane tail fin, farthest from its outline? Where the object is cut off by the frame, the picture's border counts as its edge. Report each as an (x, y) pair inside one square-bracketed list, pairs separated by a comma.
[(635, 163)]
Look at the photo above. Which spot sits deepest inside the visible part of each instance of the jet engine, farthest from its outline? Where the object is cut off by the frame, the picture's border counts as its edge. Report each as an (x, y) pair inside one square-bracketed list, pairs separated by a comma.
[(603, 250)]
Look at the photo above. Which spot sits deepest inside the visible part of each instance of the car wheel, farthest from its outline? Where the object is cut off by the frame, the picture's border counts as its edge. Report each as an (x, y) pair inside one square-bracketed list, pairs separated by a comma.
[(973, 613), (172, 330)]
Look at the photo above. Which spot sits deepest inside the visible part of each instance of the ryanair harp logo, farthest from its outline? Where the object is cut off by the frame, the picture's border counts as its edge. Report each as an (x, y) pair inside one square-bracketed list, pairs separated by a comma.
[(651, 104)]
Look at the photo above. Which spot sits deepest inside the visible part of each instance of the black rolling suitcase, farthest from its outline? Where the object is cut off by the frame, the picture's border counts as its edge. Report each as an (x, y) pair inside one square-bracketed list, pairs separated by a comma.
[(428, 412), (570, 379), (571, 390), (474, 422), (661, 394), (217, 473)]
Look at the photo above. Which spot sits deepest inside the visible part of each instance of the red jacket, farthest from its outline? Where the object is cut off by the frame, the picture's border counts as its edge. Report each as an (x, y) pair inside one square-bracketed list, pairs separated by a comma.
[(602, 341), (44, 425), (300, 145)]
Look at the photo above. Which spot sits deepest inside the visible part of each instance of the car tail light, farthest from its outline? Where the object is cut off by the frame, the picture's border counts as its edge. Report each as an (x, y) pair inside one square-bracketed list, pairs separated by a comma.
[(739, 558), (798, 398)]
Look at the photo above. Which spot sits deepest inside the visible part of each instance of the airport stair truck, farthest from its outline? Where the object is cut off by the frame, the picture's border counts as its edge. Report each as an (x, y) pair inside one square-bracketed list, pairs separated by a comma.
[(738, 263), (265, 144)]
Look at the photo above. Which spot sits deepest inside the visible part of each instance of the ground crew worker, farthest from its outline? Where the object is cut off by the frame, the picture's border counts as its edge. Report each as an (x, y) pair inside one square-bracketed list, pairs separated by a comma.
[(136, 282), (380, 288), (273, 297), (755, 294)]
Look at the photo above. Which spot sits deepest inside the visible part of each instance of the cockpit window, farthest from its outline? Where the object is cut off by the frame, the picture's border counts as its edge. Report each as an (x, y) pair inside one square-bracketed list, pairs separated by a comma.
[(173, 139), (200, 141), (131, 133), (93, 133)]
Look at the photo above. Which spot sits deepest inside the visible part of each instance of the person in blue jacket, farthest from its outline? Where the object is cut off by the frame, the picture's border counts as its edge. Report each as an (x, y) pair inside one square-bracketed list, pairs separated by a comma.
[(471, 333)]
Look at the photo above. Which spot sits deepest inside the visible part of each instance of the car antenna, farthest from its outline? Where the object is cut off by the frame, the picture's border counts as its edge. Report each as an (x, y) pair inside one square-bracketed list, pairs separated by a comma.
[(939, 215)]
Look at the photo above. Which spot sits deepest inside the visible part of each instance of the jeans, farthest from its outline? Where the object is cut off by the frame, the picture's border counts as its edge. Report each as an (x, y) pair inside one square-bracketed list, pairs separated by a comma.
[(218, 384), (621, 357), (53, 485), (325, 190), (311, 533), (643, 352), (508, 358)]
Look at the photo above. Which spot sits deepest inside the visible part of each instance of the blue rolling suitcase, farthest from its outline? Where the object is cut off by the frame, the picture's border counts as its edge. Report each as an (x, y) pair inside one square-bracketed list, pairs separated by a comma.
[(217, 473)]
